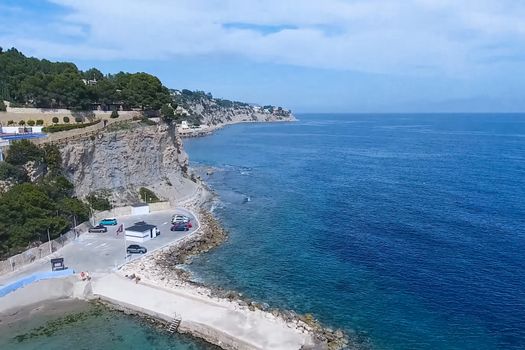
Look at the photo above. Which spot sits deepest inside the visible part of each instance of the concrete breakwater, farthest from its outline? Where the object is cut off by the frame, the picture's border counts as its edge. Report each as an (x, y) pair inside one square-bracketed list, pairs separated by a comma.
[(162, 269)]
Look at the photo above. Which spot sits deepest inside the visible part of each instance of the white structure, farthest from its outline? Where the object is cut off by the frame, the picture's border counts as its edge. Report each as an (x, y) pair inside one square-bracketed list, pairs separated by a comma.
[(3, 145), (141, 233), (184, 125), (21, 129), (140, 209)]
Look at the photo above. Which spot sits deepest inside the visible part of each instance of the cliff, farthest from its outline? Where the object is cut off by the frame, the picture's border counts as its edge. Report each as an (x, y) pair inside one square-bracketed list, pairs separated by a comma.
[(200, 108), (119, 160)]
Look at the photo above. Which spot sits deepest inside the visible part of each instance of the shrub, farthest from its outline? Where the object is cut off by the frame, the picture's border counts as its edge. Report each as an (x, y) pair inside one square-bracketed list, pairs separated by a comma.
[(55, 120), (78, 119), (3, 107), (66, 119), (98, 202), (148, 195), (39, 122), (146, 121), (31, 122), (10, 122), (114, 114), (65, 127), (21, 122)]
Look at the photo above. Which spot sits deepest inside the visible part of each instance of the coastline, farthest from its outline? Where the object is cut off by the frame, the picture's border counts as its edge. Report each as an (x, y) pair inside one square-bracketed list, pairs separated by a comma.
[(162, 279), (213, 128), (162, 270), (219, 317)]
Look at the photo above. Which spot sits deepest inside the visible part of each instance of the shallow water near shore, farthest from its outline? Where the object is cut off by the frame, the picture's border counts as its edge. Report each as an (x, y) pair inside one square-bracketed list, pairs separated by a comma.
[(404, 230), (82, 325)]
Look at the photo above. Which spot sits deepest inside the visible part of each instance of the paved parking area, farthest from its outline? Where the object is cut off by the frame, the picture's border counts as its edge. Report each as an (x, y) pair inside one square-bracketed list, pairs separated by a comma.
[(102, 252)]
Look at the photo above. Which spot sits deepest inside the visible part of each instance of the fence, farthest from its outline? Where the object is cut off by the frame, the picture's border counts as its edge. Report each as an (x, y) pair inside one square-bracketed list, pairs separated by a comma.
[(17, 261)]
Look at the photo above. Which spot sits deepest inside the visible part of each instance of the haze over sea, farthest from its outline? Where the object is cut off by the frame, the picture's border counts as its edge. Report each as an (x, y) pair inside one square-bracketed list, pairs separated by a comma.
[(407, 231)]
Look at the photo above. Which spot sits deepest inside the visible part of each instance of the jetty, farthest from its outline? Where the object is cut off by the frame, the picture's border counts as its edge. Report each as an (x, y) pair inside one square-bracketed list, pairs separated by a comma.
[(217, 321)]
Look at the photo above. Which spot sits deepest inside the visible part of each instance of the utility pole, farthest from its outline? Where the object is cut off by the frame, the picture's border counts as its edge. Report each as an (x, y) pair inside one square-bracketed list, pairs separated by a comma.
[(49, 241)]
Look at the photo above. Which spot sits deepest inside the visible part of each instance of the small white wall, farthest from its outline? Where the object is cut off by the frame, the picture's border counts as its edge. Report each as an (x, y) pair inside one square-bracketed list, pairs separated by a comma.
[(20, 129), (140, 210)]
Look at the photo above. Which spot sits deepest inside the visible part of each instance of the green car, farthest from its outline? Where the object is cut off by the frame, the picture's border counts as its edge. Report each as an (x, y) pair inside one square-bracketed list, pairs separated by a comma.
[(108, 222)]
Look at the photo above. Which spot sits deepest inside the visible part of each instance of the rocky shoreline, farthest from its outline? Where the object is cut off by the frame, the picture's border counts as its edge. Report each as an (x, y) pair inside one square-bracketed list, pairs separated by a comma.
[(164, 267)]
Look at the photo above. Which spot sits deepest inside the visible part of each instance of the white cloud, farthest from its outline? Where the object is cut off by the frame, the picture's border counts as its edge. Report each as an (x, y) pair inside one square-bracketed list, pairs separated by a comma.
[(385, 36)]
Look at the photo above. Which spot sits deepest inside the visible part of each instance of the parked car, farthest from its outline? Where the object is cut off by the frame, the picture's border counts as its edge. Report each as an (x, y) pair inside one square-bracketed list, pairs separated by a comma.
[(98, 229), (181, 226), (136, 249), (107, 222), (179, 218)]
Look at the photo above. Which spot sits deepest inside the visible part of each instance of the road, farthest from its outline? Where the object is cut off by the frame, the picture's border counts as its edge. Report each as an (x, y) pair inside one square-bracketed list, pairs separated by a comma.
[(103, 252)]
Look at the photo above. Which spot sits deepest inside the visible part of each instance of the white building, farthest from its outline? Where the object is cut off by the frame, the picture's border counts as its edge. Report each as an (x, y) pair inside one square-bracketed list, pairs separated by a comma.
[(141, 233), (21, 129)]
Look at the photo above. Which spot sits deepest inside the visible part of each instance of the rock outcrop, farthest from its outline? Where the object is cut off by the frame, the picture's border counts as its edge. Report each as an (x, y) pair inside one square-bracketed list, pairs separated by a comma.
[(198, 107), (122, 159)]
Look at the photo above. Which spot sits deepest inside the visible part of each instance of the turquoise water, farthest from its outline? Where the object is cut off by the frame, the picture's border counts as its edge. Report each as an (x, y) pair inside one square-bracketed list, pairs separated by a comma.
[(407, 231), (92, 329)]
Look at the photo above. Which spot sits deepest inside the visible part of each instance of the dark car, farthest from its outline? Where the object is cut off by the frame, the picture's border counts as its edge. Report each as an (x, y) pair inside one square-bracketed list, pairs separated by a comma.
[(98, 228), (180, 227), (136, 249)]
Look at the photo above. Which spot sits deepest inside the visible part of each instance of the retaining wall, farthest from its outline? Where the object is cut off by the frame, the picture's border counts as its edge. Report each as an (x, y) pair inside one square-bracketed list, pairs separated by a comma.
[(159, 206), (4, 290)]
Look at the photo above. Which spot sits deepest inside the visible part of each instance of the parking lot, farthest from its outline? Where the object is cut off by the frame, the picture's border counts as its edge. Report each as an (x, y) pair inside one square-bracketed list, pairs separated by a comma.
[(102, 252)]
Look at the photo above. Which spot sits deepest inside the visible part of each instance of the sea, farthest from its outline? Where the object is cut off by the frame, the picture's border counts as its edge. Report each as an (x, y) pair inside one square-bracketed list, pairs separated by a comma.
[(407, 231)]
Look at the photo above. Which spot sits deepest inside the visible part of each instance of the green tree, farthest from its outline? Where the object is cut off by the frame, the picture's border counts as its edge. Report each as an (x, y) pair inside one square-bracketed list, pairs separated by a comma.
[(22, 123), (78, 119), (3, 107), (66, 120), (98, 202), (147, 195), (75, 207), (93, 74), (31, 122), (39, 122), (54, 120), (22, 151), (53, 158), (12, 172), (114, 114), (167, 113)]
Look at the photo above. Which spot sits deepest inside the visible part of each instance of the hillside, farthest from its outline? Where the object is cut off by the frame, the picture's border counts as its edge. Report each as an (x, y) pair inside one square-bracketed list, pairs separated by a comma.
[(198, 108), (27, 83)]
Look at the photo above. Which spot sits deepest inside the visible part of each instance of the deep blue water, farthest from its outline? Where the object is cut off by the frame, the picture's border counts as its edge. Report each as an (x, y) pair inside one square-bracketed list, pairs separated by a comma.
[(405, 230)]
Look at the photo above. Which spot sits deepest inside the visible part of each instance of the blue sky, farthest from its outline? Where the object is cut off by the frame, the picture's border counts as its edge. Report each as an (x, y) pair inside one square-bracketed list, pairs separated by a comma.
[(311, 56)]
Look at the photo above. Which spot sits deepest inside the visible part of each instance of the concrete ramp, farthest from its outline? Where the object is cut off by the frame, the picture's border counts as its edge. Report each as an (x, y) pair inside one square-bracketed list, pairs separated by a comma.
[(217, 321)]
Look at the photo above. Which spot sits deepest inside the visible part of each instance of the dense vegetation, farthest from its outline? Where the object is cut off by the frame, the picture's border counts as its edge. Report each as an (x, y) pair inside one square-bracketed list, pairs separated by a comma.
[(28, 209), (148, 196), (99, 201), (28, 81)]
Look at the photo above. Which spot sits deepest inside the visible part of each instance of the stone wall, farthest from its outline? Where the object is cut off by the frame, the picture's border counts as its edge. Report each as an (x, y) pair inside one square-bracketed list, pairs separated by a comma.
[(159, 206)]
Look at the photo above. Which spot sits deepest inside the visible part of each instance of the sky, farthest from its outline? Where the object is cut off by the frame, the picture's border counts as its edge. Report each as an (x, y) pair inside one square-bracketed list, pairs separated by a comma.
[(311, 56)]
